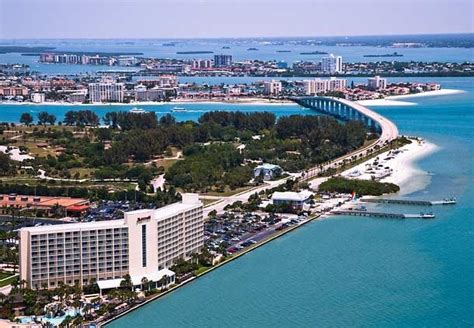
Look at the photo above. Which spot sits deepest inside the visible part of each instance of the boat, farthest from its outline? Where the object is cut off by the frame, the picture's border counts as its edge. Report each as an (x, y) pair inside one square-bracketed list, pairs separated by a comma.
[(252, 49), (354, 174), (427, 215), (446, 201), (136, 110), (178, 109), (225, 47)]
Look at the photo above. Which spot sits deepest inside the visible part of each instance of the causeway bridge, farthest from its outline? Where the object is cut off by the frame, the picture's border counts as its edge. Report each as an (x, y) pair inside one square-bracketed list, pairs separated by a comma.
[(348, 110)]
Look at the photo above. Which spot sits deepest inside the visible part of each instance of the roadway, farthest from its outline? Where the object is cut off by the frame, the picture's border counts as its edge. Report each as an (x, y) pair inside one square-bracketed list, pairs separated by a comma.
[(389, 133)]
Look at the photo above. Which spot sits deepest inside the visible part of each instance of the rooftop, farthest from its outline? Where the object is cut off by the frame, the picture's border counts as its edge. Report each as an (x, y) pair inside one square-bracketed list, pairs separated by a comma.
[(292, 196), (267, 166), (75, 226), (136, 279)]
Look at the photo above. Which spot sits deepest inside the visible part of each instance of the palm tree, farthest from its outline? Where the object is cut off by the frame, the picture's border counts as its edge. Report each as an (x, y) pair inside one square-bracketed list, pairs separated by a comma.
[(126, 282), (145, 284), (23, 283), (164, 282)]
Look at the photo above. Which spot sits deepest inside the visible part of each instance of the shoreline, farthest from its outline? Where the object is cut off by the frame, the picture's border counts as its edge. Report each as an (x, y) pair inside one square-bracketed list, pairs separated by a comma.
[(404, 169), (211, 269), (395, 100), (441, 92), (387, 101), (243, 101)]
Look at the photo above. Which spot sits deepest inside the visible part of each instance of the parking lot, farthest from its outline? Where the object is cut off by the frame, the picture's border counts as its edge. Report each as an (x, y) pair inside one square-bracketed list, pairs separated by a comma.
[(234, 231)]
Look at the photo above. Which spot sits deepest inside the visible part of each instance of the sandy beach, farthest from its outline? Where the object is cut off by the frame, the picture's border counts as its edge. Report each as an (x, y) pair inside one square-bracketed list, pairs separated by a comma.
[(398, 167), (442, 92), (395, 100)]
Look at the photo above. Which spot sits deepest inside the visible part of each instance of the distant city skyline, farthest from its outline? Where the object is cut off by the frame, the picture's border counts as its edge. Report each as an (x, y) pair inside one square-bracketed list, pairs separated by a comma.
[(30, 19)]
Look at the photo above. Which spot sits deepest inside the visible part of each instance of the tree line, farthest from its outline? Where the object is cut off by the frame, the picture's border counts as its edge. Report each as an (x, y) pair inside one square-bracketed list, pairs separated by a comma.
[(360, 187)]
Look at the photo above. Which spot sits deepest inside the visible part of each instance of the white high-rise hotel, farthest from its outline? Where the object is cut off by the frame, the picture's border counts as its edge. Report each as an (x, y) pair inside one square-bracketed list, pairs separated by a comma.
[(331, 64), (143, 244), (104, 92)]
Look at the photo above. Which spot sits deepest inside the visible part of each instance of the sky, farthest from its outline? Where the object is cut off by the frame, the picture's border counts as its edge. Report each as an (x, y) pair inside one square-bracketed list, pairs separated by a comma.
[(35, 19)]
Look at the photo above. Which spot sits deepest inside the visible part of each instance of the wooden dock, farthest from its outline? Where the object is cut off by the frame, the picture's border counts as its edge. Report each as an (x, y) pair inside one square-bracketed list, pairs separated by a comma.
[(409, 201), (383, 214)]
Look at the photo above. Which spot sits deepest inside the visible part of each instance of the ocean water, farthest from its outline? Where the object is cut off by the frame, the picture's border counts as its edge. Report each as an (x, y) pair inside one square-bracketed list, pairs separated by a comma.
[(238, 49), (11, 113), (357, 272)]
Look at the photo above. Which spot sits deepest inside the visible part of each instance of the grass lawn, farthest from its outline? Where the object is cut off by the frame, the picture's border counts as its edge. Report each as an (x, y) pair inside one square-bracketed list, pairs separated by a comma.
[(166, 163), (85, 172), (227, 192), (4, 275), (208, 201), (201, 270), (8, 281)]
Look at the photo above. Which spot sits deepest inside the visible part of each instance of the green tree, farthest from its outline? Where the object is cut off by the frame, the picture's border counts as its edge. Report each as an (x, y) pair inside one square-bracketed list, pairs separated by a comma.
[(26, 119)]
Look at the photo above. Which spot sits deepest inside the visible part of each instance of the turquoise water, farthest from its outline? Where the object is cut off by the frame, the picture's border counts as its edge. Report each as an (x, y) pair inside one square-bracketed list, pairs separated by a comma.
[(12, 113), (356, 271), (154, 48)]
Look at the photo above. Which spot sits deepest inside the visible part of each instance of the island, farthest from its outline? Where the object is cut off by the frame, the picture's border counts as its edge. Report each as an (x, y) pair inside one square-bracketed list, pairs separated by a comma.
[(197, 52), (314, 53), (393, 54)]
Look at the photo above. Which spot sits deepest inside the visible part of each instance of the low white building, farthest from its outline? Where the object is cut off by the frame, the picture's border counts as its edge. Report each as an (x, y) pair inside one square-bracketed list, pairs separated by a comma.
[(267, 171), (297, 200), (37, 97)]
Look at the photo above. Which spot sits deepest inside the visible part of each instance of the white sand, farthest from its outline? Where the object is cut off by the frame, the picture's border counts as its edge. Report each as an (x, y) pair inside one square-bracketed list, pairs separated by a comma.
[(442, 92), (403, 171), (385, 102)]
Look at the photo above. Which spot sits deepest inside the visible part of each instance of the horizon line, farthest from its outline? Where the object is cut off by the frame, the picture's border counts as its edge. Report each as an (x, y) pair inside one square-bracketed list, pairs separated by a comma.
[(240, 37)]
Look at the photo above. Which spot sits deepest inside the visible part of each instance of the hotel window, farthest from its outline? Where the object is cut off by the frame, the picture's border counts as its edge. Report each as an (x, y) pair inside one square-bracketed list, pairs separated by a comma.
[(144, 245)]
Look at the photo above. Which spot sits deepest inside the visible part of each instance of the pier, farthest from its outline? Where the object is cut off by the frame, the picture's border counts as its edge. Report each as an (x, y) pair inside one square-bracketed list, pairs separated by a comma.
[(450, 201), (383, 214)]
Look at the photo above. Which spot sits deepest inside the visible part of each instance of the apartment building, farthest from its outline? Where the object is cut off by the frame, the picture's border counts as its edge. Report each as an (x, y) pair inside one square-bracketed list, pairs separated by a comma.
[(331, 64), (222, 60), (272, 88), (106, 92), (376, 83), (143, 244), (319, 86)]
